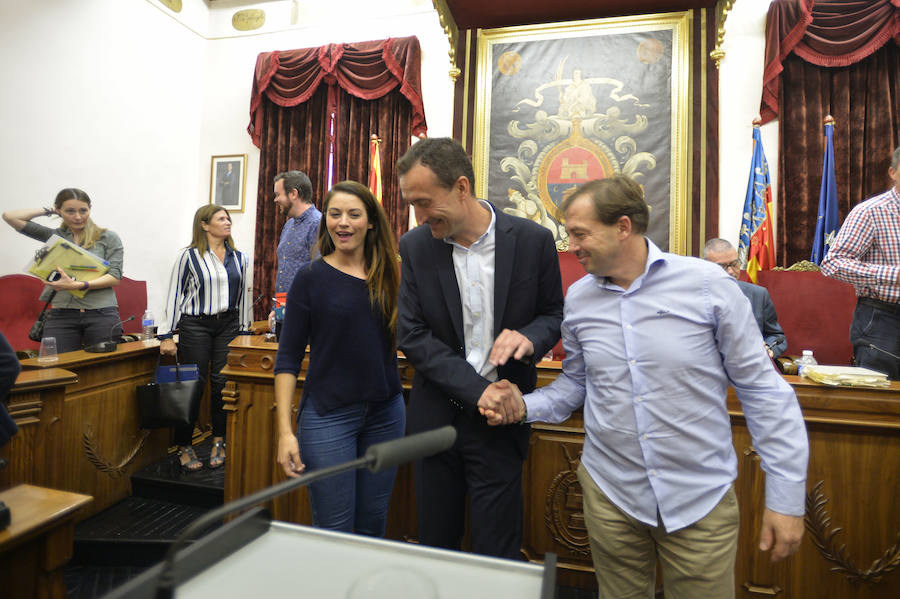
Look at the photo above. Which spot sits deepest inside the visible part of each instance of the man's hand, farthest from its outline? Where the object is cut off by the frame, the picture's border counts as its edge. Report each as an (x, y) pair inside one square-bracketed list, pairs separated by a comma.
[(510, 344), (785, 531), (501, 403)]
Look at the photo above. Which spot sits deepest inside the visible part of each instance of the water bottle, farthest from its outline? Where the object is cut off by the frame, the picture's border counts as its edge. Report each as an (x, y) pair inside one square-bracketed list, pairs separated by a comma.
[(806, 360), (147, 325)]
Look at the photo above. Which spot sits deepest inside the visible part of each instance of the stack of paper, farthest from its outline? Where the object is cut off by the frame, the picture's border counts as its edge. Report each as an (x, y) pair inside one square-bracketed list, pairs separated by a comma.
[(846, 375), (75, 261)]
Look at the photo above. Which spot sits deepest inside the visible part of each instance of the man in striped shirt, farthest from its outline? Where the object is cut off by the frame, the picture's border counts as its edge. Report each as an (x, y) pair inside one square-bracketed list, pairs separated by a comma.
[(866, 254)]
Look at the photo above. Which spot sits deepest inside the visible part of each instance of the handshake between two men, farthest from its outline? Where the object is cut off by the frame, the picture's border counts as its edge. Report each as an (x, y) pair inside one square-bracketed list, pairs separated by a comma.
[(502, 403)]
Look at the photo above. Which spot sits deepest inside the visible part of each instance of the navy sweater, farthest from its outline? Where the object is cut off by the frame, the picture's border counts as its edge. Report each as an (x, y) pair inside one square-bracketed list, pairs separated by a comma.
[(350, 359)]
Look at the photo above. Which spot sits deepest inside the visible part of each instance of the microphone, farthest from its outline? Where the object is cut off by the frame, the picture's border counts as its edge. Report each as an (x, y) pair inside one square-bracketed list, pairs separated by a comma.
[(104, 347), (378, 457), (406, 449), (884, 351)]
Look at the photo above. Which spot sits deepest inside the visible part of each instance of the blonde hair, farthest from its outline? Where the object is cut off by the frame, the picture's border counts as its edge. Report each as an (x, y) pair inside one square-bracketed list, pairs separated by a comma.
[(379, 252), (91, 231), (203, 215)]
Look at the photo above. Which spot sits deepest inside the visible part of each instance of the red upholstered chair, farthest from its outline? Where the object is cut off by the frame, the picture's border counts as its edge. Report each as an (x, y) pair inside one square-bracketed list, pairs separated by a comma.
[(20, 306), (571, 270), (815, 313)]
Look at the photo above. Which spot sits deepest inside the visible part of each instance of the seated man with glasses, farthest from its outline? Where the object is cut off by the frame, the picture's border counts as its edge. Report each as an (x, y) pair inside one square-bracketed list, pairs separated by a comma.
[(723, 253)]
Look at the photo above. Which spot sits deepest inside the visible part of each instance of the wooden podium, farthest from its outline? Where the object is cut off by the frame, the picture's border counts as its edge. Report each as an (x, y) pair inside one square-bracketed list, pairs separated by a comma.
[(253, 557)]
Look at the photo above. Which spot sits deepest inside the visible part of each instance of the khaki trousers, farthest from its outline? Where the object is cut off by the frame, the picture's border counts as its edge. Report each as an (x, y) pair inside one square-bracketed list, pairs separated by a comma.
[(696, 561)]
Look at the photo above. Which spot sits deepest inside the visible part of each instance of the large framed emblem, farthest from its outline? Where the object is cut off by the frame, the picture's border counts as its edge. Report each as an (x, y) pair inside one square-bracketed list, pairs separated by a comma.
[(562, 104)]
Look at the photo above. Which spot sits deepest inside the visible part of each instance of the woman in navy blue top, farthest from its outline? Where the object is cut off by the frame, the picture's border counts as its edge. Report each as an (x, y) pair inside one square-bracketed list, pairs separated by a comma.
[(209, 304), (344, 305)]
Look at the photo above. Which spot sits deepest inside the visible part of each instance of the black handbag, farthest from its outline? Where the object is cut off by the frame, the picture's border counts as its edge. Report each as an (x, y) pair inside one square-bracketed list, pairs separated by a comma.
[(167, 405), (37, 329)]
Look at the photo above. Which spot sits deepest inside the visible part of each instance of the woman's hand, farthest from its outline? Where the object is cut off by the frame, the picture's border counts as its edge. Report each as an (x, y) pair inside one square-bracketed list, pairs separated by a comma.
[(167, 347), (289, 455), (65, 282)]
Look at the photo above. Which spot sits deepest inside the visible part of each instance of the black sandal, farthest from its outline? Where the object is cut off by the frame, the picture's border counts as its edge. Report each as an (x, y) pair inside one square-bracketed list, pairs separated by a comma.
[(217, 455), (193, 464)]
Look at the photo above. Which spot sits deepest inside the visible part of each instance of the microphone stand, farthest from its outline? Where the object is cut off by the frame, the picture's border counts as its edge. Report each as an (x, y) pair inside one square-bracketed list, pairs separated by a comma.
[(104, 347)]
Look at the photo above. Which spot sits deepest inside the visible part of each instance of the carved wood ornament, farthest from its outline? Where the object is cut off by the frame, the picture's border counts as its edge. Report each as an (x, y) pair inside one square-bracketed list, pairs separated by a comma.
[(817, 523), (104, 465), (564, 511)]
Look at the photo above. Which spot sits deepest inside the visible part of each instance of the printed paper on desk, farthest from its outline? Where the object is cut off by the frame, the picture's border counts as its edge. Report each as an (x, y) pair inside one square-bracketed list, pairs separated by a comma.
[(75, 261)]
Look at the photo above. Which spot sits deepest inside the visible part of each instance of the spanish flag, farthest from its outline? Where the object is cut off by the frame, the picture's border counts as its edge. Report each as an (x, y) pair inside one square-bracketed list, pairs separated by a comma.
[(756, 247), (375, 167)]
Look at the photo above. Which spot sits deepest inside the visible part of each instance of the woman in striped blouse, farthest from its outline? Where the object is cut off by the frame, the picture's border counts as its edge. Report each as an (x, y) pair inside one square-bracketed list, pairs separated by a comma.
[(209, 305)]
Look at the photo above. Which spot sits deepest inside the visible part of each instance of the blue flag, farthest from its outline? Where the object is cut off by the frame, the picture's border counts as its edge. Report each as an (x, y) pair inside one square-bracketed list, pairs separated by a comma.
[(827, 222)]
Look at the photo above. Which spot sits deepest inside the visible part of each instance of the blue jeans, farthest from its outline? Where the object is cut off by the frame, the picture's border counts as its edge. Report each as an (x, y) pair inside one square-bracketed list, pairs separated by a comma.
[(881, 328), (355, 501)]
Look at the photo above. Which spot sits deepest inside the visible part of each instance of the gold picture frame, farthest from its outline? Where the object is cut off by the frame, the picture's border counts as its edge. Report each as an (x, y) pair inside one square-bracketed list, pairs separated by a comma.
[(562, 103), (227, 181)]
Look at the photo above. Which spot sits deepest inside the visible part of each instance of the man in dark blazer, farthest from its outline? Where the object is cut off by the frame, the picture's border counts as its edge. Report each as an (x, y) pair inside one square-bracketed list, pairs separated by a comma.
[(465, 346), (723, 253)]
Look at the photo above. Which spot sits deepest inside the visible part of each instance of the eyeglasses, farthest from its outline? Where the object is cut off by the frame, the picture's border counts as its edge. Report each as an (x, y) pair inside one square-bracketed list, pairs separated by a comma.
[(736, 264)]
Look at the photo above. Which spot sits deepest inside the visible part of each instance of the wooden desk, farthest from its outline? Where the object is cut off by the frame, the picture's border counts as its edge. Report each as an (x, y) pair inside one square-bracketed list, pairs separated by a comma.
[(78, 423), (38, 542)]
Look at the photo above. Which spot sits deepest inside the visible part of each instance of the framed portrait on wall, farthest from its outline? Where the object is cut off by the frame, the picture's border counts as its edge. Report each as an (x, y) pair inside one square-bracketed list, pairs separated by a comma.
[(562, 104), (226, 181)]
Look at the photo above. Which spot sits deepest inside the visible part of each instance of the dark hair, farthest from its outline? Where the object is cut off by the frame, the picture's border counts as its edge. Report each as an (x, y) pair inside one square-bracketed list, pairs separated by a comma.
[(613, 198), (444, 156), (91, 231), (296, 180), (379, 252)]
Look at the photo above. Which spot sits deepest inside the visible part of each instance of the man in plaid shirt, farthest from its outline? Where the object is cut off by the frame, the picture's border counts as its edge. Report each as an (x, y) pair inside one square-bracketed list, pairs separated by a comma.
[(866, 254)]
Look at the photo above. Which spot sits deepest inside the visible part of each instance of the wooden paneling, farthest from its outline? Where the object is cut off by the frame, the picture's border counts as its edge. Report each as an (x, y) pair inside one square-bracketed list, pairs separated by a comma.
[(79, 424), (36, 546), (851, 548)]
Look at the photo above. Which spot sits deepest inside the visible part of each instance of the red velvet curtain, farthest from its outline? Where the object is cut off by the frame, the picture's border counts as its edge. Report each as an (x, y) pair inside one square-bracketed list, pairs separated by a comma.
[(827, 33), (830, 57), (392, 124), (289, 138), (369, 87)]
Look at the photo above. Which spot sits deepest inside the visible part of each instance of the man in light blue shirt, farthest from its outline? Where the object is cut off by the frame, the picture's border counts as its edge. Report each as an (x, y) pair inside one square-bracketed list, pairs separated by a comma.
[(653, 341)]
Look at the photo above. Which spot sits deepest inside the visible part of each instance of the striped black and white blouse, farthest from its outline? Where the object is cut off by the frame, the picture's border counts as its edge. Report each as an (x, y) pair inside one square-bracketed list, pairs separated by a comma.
[(202, 285)]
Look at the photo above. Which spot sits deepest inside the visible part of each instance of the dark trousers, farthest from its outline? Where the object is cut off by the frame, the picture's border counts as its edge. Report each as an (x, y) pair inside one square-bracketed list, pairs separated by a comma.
[(489, 467), (878, 324), (74, 328), (204, 342)]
